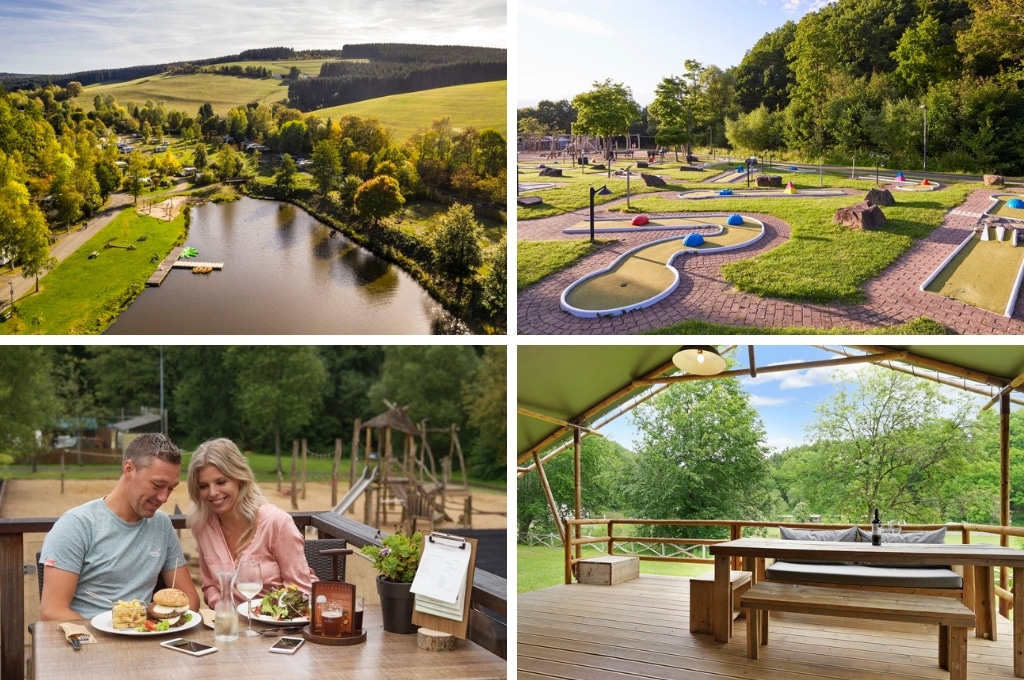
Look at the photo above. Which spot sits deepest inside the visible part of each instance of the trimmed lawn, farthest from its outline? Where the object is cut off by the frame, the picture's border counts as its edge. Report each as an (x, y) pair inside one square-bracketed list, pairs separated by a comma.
[(539, 259), (541, 567), (82, 295)]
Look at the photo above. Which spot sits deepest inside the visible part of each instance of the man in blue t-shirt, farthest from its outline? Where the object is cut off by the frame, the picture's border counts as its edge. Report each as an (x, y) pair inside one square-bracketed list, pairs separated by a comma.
[(117, 546)]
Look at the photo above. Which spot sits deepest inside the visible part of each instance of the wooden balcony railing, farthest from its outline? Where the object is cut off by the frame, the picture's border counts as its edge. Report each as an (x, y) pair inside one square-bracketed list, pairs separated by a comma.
[(489, 591), (608, 537)]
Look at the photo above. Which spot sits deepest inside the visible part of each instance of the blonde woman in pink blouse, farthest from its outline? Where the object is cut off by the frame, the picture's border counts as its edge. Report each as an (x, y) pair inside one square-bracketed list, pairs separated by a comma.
[(232, 520)]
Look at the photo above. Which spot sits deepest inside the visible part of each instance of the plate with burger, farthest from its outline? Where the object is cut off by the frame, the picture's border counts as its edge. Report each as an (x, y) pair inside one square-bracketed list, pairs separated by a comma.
[(167, 613), (286, 606)]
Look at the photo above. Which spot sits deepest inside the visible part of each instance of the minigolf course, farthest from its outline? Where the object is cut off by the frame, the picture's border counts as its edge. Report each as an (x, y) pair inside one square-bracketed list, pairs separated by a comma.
[(984, 271), (640, 223), (1010, 206), (644, 275), (787, 192)]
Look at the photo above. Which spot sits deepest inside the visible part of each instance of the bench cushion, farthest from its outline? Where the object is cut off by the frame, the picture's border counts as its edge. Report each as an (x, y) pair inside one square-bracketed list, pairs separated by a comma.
[(936, 536), (862, 575), (840, 535)]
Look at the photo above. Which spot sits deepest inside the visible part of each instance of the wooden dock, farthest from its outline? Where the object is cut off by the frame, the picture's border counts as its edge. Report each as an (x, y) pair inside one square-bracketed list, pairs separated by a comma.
[(190, 264), (172, 262)]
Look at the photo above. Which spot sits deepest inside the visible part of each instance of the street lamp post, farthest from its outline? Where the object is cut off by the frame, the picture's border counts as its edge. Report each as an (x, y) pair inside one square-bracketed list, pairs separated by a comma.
[(925, 136), (627, 185)]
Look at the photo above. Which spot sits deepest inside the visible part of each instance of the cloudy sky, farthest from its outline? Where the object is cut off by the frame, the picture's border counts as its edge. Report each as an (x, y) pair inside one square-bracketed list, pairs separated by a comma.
[(786, 401), (65, 36), (565, 47)]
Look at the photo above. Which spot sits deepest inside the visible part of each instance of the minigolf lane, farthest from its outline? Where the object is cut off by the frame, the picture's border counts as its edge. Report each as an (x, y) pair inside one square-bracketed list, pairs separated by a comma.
[(644, 275)]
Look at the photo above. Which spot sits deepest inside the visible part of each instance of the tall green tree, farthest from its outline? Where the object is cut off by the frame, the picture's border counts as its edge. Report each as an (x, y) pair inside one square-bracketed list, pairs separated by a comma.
[(607, 109), (455, 244), (279, 389), (763, 76), (891, 442), (28, 399), (284, 176), (485, 396), (378, 198), (598, 458), (701, 455), (325, 166), (681, 102)]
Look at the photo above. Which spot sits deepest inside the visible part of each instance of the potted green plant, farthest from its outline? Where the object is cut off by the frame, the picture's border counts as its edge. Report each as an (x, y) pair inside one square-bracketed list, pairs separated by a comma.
[(396, 560)]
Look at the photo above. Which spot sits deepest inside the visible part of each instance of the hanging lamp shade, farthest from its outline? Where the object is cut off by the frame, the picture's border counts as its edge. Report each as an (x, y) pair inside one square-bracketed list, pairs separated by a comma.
[(699, 360)]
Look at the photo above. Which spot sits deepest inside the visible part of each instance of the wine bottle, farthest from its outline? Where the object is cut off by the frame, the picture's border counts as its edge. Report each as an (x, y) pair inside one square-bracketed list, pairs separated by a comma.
[(876, 530)]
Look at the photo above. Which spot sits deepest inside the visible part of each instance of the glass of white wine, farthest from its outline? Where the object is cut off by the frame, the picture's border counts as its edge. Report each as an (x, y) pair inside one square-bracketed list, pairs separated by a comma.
[(249, 583)]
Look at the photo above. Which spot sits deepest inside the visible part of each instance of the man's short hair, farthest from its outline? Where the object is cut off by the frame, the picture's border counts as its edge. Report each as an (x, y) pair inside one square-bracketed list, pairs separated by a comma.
[(144, 448)]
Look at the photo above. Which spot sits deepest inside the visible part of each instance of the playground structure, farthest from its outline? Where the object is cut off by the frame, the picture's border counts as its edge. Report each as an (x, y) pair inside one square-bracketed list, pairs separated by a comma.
[(411, 481)]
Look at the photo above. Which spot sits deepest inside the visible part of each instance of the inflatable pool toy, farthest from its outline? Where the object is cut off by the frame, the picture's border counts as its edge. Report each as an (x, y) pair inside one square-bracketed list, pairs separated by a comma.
[(189, 252)]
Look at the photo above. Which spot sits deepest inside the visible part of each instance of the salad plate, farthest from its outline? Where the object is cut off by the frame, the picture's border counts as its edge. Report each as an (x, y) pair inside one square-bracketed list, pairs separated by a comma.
[(283, 595)]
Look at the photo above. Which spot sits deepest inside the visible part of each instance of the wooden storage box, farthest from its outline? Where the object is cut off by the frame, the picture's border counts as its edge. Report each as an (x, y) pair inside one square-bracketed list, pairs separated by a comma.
[(608, 570), (702, 590)]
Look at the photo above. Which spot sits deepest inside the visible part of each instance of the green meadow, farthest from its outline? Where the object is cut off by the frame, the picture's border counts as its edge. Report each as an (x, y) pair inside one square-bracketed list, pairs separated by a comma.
[(480, 105), (84, 295)]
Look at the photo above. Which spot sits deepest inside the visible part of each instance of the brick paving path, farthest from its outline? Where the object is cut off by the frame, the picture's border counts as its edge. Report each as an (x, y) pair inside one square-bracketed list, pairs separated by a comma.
[(892, 298)]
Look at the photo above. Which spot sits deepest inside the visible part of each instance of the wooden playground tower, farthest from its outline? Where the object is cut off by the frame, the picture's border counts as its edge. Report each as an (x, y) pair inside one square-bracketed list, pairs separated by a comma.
[(411, 482)]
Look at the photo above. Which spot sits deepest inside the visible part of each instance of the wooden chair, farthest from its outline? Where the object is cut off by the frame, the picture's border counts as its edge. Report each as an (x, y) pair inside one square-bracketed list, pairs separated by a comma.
[(326, 557)]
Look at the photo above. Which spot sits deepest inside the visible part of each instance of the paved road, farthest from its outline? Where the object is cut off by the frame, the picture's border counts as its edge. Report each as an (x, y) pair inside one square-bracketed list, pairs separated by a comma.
[(703, 294), (68, 243)]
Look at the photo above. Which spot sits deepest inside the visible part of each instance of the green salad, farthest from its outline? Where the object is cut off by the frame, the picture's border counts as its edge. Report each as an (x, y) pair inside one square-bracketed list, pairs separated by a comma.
[(284, 604)]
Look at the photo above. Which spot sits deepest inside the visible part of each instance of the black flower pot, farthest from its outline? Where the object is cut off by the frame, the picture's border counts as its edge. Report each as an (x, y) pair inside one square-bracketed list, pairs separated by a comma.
[(396, 606)]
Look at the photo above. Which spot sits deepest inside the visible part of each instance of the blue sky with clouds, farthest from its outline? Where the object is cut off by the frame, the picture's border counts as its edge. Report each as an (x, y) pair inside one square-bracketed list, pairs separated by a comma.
[(65, 36), (786, 401), (565, 46)]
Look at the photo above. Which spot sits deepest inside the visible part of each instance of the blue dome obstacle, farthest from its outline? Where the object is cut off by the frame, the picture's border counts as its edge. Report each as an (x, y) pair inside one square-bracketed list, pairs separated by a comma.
[(693, 240), (740, 169), (1015, 203), (735, 221), (725, 192)]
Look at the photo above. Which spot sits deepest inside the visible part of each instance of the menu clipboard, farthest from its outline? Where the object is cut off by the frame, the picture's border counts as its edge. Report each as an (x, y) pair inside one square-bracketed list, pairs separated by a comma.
[(444, 583)]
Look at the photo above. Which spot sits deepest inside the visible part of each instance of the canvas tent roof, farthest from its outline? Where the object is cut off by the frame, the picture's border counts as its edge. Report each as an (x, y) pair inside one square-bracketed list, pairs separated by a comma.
[(136, 422), (558, 384)]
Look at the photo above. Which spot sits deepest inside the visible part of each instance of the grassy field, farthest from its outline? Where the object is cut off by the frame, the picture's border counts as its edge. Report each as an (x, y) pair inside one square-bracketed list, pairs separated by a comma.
[(481, 105), (188, 92), (83, 295), (540, 567)]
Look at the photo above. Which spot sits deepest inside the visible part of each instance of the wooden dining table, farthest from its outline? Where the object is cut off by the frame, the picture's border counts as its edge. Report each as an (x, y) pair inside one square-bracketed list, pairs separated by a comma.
[(983, 558), (383, 655)]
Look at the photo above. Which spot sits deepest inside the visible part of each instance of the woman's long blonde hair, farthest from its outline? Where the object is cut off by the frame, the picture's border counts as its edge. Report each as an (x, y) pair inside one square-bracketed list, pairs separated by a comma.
[(224, 455)]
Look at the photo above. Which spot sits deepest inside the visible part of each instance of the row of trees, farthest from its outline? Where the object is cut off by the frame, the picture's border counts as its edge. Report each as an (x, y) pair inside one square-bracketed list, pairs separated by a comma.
[(855, 79), (262, 397), (889, 441)]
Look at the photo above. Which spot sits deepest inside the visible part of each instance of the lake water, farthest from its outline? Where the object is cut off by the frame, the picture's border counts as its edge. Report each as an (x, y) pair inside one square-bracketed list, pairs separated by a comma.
[(284, 273)]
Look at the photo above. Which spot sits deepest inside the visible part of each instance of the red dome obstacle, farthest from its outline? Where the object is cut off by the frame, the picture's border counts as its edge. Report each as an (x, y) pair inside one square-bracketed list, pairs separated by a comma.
[(640, 220)]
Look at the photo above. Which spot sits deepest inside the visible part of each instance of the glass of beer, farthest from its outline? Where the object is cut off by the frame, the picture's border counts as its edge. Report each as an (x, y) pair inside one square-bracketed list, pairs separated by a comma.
[(331, 614), (357, 619)]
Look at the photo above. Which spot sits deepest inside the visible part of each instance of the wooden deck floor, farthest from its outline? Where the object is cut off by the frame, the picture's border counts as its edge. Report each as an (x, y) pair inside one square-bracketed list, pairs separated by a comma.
[(641, 629)]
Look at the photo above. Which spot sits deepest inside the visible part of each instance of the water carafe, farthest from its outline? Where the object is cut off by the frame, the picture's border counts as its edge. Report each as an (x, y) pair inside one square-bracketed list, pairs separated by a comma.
[(225, 622)]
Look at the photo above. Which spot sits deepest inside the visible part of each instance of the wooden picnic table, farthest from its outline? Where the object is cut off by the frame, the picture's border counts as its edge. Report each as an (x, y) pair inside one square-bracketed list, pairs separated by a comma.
[(982, 557), (383, 655)]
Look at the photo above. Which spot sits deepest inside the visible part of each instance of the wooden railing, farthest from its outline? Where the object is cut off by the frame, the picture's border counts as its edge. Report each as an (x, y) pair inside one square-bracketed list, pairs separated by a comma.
[(489, 591), (737, 529)]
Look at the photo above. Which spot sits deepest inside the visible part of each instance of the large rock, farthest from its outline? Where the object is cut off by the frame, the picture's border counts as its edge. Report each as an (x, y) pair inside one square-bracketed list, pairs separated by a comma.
[(860, 216), (769, 181), (652, 180), (993, 180), (881, 197), (529, 200), (551, 172)]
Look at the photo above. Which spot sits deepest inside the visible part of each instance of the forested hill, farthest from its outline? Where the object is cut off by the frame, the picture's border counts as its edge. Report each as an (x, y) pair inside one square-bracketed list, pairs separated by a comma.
[(396, 69)]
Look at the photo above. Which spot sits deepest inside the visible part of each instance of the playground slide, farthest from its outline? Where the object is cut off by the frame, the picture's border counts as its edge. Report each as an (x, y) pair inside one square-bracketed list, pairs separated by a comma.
[(369, 474)]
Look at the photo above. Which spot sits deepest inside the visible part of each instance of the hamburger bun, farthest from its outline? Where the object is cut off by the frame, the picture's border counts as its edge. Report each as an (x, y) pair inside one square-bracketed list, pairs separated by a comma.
[(169, 603)]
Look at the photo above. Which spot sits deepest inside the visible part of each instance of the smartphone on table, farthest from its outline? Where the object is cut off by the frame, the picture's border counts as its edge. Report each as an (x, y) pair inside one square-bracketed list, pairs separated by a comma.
[(189, 647), (287, 645)]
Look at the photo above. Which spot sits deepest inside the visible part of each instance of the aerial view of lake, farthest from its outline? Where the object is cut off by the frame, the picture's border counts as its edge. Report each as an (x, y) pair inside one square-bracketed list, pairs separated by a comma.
[(284, 272)]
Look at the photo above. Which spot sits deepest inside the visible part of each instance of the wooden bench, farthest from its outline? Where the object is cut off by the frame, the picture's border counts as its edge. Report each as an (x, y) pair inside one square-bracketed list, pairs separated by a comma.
[(951, 615), (702, 590)]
